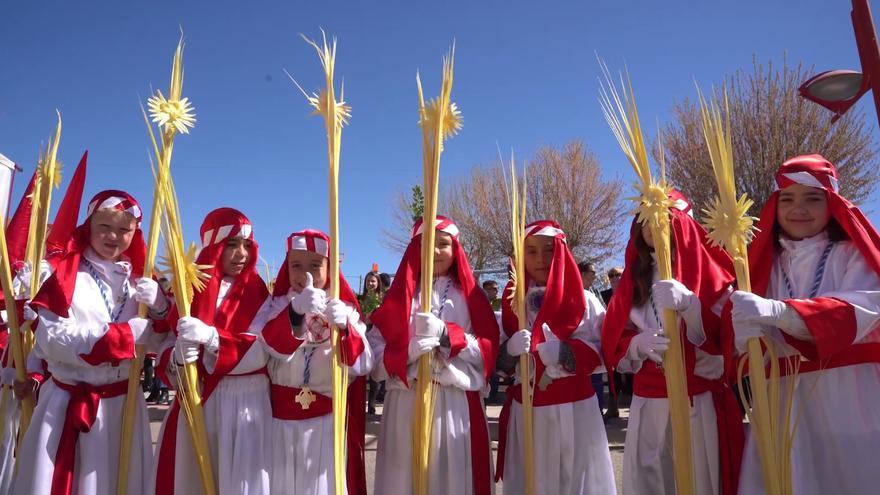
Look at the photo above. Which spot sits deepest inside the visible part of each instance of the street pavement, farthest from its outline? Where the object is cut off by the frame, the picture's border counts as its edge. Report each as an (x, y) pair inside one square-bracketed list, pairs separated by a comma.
[(616, 429)]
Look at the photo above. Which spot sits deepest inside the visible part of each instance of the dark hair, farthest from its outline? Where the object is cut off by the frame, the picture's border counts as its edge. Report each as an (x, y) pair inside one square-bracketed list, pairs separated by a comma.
[(487, 283), (586, 266), (643, 271), (381, 284), (385, 279)]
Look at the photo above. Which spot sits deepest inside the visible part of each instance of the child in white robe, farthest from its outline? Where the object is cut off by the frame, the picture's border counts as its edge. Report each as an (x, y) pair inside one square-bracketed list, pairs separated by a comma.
[(815, 270)]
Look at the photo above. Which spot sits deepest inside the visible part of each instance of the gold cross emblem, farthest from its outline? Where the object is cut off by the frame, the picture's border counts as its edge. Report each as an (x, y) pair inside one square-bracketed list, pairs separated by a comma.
[(305, 397)]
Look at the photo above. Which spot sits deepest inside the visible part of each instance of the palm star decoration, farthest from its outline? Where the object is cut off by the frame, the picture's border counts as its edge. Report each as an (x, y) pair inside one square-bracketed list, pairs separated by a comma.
[(452, 120), (196, 275), (43, 166), (653, 203), (727, 219), (171, 114), (732, 229), (322, 102)]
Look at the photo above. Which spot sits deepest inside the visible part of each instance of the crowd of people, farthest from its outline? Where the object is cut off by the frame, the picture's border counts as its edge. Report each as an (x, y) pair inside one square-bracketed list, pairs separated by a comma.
[(264, 358)]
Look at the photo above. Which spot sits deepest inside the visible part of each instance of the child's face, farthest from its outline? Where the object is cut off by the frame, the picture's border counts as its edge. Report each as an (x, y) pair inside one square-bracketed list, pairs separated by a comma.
[(111, 233), (300, 262), (372, 283), (443, 255), (539, 257), (802, 211), (235, 255)]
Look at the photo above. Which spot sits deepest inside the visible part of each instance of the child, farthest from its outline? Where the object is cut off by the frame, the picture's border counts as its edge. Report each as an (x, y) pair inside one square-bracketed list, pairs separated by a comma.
[(227, 318), (461, 336), (814, 267), (370, 299), (372, 295), (87, 330), (562, 336), (302, 387), (634, 342)]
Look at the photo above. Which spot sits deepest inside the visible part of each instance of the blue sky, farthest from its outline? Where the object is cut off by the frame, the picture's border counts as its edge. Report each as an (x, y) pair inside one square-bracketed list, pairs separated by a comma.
[(525, 76)]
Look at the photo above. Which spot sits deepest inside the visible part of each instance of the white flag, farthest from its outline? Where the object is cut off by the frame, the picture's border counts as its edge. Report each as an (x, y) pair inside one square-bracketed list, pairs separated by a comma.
[(7, 170)]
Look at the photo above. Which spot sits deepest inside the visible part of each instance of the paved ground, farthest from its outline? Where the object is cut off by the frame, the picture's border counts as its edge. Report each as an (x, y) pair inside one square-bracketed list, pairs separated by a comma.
[(616, 429)]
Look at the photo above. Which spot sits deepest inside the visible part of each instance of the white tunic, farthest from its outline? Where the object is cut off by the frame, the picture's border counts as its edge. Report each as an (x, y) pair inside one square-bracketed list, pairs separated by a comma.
[(238, 418), (570, 443), (837, 439), (61, 342), (302, 456), (647, 461), (451, 467), (10, 407), (10, 410)]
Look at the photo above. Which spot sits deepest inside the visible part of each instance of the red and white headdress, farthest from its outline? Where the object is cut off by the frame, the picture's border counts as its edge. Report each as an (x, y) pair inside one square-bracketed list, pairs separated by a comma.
[(831, 321), (392, 317), (814, 171), (707, 271), (116, 202), (564, 304), (441, 223), (317, 242), (248, 291), (245, 296), (704, 269), (56, 293), (280, 339), (310, 240), (223, 223)]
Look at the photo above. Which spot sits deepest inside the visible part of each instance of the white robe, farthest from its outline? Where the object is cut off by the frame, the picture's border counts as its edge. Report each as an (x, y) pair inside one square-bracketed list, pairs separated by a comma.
[(837, 439), (238, 419), (8, 429), (571, 446), (302, 456), (11, 411), (647, 460), (61, 342), (451, 467)]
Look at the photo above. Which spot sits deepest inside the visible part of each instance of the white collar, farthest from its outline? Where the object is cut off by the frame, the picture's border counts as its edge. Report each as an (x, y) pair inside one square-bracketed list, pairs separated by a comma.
[(816, 242), (107, 268)]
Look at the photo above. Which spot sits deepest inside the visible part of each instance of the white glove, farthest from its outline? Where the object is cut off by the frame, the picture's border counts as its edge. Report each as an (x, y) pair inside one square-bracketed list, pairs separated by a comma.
[(672, 294), (24, 277), (7, 376), (745, 330), (646, 345), (548, 350), (748, 307), (519, 343), (428, 325), (138, 327), (310, 300), (422, 345), (147, 292), (28, 313), (338, 313), (185, 352), (195, 331)]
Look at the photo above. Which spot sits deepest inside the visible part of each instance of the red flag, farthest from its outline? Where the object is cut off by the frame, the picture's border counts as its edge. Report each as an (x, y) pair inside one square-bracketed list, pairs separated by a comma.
[(17, 228), (17, 232), (68, 212)]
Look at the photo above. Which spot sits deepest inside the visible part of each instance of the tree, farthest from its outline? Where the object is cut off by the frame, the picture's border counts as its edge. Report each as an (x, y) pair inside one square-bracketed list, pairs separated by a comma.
[(770, 123), (564, 184), (404, 213)]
